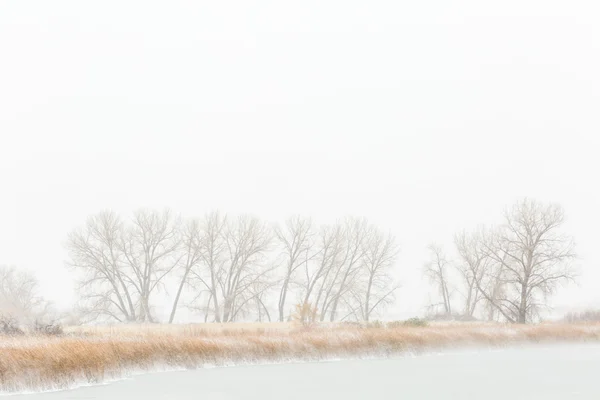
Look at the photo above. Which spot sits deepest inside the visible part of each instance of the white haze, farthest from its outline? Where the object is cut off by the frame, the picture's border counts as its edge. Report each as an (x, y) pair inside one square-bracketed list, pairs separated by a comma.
[(426, 117)]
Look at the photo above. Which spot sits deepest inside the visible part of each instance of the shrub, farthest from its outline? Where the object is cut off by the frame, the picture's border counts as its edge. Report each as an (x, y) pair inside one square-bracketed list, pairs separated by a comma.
[(305, 315), (375, 324), (352, 324), (451, 317), (50, 329), (585, 316), (10, 326), (415, 321)]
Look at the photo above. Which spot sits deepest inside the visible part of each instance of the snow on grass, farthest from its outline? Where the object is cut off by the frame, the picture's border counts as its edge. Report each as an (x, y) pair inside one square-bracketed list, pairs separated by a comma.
[(97, 356)]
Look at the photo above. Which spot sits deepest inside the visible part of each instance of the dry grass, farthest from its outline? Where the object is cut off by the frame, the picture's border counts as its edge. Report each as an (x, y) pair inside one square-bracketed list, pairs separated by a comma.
[(94, 354), (180, 329)]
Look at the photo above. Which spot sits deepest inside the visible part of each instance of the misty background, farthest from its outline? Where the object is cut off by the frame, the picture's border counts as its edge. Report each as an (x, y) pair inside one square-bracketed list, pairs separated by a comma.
[(426, 118)]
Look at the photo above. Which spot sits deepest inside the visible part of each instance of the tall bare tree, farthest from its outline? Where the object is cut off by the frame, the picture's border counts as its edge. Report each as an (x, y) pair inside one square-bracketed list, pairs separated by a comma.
[(104, 285), (376, 287), (205, 277), (247, 240), (494, 287), (347, 269), (296, 239), (234, 270), (438, 272), (319, 266), (121, 264), (150, 248), (473, 263), (191, 253), (533, 256)]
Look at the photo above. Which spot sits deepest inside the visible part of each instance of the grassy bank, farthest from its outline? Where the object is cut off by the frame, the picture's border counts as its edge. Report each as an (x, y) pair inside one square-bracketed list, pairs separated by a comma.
[(96, 354)]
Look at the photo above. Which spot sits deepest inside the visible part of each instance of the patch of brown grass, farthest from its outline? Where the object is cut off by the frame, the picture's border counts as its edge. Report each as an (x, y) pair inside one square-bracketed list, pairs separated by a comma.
[(96, 354)]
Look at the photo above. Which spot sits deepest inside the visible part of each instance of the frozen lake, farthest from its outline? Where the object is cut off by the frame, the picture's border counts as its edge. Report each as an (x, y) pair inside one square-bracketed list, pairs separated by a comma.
[(539, 372)]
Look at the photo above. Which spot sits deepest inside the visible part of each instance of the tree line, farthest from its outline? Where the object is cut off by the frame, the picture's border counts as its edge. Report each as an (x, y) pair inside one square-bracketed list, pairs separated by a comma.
[(233, 268), (230, 268), (508, 271)]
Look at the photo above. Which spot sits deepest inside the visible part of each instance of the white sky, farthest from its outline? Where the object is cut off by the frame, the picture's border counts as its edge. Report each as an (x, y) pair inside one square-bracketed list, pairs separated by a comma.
[(425, 116)]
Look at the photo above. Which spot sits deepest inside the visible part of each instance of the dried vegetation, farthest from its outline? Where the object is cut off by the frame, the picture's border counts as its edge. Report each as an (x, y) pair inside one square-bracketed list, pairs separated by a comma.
[(96, 354)]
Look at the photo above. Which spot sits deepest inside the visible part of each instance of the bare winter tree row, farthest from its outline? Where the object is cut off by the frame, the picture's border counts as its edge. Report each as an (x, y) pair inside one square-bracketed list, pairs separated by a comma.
[(230, 268), (509, 271)]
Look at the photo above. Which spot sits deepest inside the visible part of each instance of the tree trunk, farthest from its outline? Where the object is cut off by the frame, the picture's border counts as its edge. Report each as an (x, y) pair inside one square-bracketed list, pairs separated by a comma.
[(176, 302), (282, 297), (368, 298), (216, 303), (523, 305)]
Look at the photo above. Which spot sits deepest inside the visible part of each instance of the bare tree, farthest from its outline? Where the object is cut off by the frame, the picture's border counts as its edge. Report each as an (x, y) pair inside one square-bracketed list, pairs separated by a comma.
[(533, 257), (376, 288), (19, 296), (150, 248), (206, 276), (95, 252), (233, 271), (247, 240), (494, 287), (473, 264), (347, 269), (296, 239), (191, 253), (437, 270), (328, 249), (123, 265), (333, 268)]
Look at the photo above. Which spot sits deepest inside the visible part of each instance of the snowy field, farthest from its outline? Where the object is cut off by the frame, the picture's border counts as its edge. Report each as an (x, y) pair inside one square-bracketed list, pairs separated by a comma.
[(545, 372)]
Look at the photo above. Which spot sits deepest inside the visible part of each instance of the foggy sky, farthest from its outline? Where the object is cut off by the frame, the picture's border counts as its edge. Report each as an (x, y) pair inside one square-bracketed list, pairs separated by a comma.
[(426, 118)]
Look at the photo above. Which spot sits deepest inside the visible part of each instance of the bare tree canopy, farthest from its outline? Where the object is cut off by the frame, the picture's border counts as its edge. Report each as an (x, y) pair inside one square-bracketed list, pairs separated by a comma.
[(379, 288), (350, 271), (356, 231), (531, 257), (150, 249), (233, 270), (509, 271), (230, 268), (122, 264), (319, 266), (517, 265)]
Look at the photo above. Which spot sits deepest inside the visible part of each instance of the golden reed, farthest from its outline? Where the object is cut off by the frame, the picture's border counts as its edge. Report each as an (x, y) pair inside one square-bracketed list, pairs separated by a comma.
[(96, 354)]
